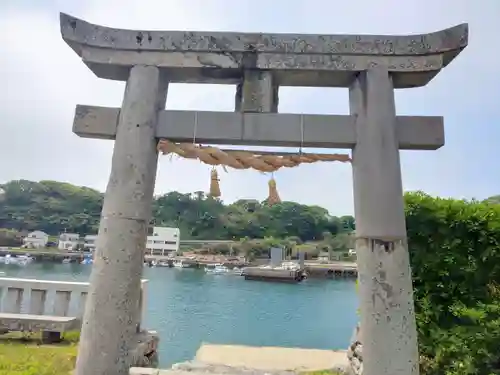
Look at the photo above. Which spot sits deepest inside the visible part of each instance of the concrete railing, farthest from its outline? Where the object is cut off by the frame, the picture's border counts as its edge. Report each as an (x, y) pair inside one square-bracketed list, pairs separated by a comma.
[(47, 297)]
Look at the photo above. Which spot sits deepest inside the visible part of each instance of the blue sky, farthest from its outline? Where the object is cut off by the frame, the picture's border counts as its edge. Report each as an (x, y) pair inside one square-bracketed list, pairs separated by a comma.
[(43, 79)]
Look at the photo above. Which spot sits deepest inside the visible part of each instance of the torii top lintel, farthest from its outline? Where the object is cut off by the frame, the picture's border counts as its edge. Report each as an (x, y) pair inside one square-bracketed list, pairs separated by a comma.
[(294, 59)]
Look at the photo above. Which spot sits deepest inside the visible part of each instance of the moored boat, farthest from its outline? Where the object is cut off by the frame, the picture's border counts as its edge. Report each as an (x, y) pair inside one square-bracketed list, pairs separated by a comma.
[(217, 268), (178, 263)]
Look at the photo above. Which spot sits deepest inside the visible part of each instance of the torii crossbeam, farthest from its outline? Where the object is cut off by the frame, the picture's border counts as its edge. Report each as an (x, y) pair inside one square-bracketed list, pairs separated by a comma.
[(370, 66)]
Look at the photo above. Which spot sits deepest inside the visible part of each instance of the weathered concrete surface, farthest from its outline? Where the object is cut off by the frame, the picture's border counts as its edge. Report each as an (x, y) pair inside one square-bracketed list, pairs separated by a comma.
[(385, 287), (271, 358), (262, 129), (257, 93), (37, 323), (298, 59), (109, 327), (244, 360)]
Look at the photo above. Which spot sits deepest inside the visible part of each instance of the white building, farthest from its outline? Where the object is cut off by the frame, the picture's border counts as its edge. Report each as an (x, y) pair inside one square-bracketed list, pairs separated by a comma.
[(36, 239), (68, 241), (89, 242), (163, 241)]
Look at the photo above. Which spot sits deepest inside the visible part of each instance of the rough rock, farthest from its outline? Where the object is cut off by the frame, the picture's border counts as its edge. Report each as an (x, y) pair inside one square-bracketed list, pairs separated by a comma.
[(145, 353), (355, 353)]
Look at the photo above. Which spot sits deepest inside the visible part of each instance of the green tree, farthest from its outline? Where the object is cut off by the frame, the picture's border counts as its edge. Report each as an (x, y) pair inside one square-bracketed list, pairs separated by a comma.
[(10, 238), (495, 199), (55, 207)]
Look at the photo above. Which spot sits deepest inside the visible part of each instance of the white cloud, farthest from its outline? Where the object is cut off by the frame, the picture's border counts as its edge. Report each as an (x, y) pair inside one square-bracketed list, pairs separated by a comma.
[(43, 80)]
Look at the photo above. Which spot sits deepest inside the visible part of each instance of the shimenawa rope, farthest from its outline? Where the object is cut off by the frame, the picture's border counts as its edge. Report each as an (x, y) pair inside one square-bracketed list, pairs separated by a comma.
[(244, 160)]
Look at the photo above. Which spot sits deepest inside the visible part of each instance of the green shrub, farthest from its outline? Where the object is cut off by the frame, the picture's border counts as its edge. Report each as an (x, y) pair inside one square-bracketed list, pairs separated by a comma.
[(455, 257)]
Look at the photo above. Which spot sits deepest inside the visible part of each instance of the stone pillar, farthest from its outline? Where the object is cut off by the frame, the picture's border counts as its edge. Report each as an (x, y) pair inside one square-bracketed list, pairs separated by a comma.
[(108, 331), (385, 287), (257, 93)]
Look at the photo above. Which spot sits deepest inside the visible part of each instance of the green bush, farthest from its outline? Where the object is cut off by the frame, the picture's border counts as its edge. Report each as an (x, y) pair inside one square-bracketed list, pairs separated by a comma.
[(455, 256)]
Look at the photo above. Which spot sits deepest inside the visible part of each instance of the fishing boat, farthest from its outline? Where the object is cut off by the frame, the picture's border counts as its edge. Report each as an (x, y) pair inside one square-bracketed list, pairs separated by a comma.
[(291, 266), (20, 260), (238, 271), (87, 260), (217, 268), (178, 263)]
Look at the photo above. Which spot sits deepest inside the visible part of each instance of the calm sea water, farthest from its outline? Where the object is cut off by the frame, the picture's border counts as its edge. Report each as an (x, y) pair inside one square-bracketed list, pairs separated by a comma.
[(188, 307)]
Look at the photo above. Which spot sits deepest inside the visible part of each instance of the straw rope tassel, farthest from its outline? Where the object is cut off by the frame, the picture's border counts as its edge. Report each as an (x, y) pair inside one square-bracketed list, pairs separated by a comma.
[(274, 197), (214, 184)]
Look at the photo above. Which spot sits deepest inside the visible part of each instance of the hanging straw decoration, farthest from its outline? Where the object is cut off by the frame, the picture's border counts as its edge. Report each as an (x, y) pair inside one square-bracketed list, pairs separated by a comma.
[(214, 184), (274, 197), (244, 159)]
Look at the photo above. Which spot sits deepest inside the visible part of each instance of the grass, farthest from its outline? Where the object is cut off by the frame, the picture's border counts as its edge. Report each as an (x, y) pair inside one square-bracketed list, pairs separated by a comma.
[(27, 356)]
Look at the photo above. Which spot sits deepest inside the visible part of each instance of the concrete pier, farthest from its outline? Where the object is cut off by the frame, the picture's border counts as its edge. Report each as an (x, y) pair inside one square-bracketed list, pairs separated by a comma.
[(273, 274), (108, 327), (331, 270), (271, 358)]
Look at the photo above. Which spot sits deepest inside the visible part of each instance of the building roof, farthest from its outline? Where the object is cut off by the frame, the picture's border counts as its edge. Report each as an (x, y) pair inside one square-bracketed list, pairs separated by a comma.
[(38, 232)]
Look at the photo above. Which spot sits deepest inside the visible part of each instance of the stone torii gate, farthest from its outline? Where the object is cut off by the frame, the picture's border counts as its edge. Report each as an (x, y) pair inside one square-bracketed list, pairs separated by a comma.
[(370, 66)]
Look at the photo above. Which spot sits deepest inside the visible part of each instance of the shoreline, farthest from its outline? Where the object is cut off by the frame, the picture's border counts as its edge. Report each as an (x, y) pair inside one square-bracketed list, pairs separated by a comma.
[(314, 269)]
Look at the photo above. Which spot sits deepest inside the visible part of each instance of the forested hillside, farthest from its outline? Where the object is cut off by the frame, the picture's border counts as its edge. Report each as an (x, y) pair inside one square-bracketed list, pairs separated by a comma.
[(53, 207)]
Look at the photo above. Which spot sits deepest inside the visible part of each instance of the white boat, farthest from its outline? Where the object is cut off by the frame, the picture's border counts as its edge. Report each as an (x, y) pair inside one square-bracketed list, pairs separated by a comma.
[(87, 260), (216, 268), (21, 260), (178, 263), (7, 259), (237, 271), (292, 266), (26, 258), (66, 261)]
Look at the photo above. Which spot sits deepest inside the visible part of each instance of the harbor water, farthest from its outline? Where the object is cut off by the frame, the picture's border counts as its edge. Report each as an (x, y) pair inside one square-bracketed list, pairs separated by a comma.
[(188, 307)]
